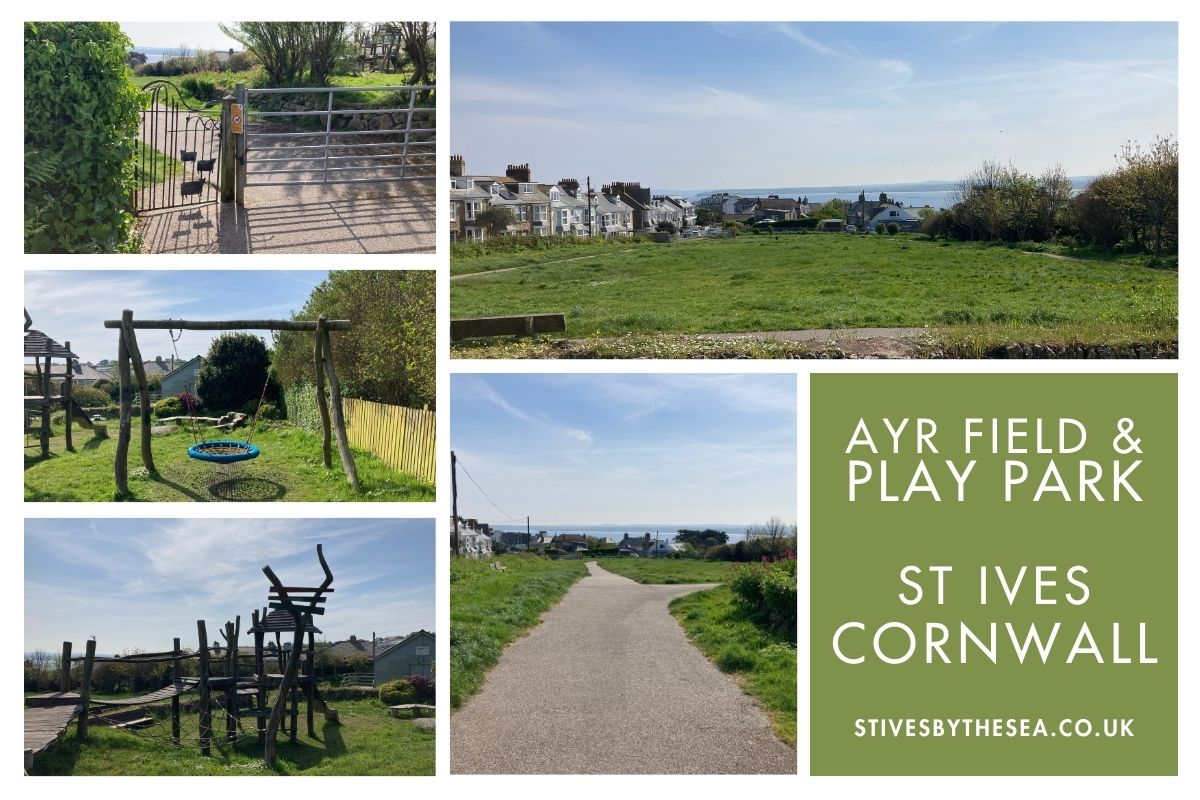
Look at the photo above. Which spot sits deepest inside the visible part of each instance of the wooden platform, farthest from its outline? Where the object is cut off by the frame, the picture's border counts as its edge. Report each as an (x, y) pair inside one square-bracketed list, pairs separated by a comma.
[(44, 726)]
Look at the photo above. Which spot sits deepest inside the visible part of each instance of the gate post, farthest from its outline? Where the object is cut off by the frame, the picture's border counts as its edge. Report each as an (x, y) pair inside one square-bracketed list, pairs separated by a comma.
[(243, 100), (228, 157)]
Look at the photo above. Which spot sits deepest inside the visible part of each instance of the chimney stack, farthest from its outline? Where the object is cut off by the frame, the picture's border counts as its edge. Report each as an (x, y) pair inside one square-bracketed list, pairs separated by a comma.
[(458, 166), (570, 184), (519, 172)]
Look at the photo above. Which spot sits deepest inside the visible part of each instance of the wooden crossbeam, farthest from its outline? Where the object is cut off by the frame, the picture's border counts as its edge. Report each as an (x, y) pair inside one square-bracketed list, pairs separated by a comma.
[(231, 324), (304, 610)]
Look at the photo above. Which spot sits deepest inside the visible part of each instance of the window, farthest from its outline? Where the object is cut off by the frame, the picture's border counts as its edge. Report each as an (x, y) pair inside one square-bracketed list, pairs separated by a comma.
[(461, 183), (495, 189), (526, 188), (422, 650), (554, 194), (539, 213), (522, 213), (453, 212), (472, 207), (893, 213)]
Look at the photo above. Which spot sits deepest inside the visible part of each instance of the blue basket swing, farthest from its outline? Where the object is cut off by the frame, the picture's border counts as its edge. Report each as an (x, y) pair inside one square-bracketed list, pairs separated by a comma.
[(223, 451)]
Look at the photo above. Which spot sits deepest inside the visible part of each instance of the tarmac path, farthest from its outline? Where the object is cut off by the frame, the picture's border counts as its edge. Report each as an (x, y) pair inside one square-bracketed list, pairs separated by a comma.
[(608, 683)]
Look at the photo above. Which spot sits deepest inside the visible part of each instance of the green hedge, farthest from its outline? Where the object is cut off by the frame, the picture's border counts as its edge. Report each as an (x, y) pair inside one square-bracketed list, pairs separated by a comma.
[(81, 120), (300, 407)]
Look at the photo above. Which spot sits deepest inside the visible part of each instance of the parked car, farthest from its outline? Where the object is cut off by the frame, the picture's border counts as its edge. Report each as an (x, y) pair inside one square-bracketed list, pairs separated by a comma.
[(851, 229)]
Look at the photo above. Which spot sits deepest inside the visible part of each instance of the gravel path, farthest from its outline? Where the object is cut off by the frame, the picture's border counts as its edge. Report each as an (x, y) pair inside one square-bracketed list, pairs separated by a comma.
[(608, 683)]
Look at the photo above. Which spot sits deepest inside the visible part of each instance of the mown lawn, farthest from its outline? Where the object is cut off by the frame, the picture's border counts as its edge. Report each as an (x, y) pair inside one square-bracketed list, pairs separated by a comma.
[(819, 281), (289, 468), (490, 608), (763, 663), (668, 570), (367, 742)]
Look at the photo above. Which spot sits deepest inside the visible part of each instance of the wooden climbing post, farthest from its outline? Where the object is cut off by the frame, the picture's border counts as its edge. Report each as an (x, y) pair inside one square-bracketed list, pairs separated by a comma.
[(242, 98), (64, 669), (85, 687), (125, 397), (295, 713), (310, 671), (176, 677), (139, 372), (339, 421), (66, 393), (260, 721), (322, 401), (205, 700)]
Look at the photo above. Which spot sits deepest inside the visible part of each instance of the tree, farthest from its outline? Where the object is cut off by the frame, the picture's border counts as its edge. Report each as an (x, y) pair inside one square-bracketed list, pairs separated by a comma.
[(495, 220), (417, 44), (233, 372), (1150, 188), (892, 229), (1056, 193), (666, 227), (1019, 201), (389, 354), (134, 59), (707, 215), (89, 396), (292, 53), (834, 208)]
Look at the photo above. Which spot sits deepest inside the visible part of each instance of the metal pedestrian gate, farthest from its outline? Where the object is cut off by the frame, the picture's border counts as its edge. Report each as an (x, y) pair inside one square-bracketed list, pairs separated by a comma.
[(177, 151), (327, 135)]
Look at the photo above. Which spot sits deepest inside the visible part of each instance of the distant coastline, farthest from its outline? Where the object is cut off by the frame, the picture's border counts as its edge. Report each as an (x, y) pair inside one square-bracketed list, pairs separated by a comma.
[(919, 193)]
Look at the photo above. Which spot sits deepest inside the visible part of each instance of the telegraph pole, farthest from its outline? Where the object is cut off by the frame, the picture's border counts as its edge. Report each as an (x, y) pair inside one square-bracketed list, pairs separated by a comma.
[(454, 502)]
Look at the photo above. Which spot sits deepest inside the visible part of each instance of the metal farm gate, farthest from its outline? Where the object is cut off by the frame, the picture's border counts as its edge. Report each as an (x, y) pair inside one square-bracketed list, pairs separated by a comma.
[(304, 136), (177, 151)]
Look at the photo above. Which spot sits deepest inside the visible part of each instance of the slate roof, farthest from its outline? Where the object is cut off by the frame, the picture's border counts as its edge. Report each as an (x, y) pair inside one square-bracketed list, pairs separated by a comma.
[(381, 653)]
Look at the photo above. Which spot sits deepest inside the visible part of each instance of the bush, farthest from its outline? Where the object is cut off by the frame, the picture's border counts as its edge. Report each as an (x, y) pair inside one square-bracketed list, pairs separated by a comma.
[(769, 589), (424, 688), (880, 228), (81, 120), (394, 693), (234, 371), (88, 396), (892, 229), (201, 87), (269, 410), (168, 407)]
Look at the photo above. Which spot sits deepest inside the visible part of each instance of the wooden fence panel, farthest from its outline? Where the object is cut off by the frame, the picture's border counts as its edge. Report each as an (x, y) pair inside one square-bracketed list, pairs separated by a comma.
[(403, 438)]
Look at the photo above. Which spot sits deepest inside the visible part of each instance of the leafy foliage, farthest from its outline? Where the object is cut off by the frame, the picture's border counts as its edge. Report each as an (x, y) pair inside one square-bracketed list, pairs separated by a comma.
[(389, 354), (81, 119), (769, 588), (293, 53), (233, 372), (396, 692), (168, 407)]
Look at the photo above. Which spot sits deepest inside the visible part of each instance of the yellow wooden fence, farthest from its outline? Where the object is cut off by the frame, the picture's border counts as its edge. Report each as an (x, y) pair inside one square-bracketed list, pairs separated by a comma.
[(403, 438)]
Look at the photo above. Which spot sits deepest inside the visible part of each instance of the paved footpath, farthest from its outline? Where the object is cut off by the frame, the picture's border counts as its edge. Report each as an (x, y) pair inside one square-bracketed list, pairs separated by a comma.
[(609, 683)]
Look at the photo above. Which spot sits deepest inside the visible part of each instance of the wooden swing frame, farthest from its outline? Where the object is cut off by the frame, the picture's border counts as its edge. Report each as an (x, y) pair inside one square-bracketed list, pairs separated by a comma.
[(129, 369)]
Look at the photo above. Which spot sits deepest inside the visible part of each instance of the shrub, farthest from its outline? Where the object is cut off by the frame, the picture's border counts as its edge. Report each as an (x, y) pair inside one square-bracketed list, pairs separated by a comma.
[(394, 693), (88, 396), (423, 687), (168, 407), (892, 229), (769, 589), (269, 410), (349, 693), (81, 120), (201, 87), (234, 371), (880, 228)]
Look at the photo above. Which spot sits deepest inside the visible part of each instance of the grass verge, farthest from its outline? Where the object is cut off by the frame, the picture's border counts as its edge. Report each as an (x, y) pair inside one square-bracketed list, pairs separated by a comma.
[(668, 570), (368, 742), (290, 468), (490, 608), (763, 663)]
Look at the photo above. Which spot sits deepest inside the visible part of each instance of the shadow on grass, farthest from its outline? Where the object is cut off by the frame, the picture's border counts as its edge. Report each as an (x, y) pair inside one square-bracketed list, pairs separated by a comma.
[(306, 754)]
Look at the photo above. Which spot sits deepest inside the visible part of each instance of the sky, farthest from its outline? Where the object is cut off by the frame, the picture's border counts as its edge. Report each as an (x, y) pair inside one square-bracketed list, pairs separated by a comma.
[(690, 106), (72, 306), (195, 35), (137, 583), (618, 448)]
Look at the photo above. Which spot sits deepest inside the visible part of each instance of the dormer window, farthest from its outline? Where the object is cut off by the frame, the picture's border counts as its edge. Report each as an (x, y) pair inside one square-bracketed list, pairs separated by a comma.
[(526, 188), (495, 188), (554, 194)]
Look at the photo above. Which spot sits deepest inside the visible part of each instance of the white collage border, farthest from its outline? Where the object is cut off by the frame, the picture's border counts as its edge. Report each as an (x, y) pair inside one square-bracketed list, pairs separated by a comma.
[(586, 788)]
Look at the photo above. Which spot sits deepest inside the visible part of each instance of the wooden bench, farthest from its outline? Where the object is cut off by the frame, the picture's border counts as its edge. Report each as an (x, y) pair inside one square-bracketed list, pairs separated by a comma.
[(522, 325)]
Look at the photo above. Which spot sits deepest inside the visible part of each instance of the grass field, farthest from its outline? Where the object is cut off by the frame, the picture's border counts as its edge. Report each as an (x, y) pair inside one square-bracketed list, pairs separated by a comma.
[(819, 281), (290, 469), (154, 166), (368, 742), (489, 609), (668, 570), (763, 663)]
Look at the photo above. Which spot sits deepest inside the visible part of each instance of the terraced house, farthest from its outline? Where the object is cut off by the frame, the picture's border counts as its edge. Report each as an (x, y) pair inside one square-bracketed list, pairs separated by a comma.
[(564, 208)]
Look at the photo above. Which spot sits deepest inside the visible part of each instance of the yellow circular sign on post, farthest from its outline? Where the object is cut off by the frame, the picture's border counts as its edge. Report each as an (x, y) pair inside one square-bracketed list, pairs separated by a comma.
[(235, 122)]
